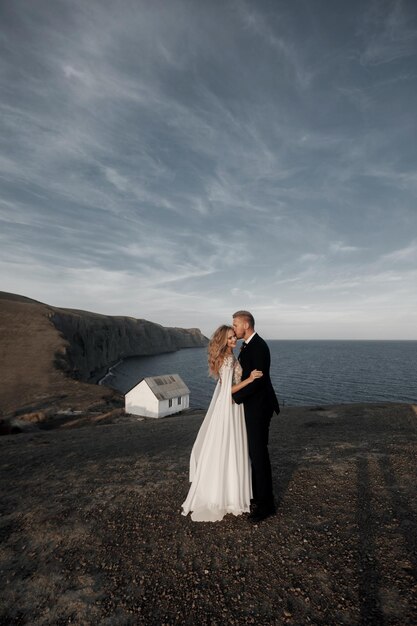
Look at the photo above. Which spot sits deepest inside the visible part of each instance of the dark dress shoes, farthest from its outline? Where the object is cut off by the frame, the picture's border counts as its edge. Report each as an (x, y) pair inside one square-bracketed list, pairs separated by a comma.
[(261, 513)]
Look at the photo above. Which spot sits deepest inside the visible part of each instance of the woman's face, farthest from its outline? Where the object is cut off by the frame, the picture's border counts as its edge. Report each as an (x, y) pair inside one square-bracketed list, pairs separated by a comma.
[(231, 339)]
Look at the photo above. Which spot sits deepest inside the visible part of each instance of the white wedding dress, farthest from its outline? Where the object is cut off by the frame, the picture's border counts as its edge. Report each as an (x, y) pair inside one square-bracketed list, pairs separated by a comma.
[(220, 471)]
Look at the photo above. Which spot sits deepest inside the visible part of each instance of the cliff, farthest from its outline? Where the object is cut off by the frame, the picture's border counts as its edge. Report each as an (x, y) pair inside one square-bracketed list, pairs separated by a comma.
[(97, 341), (48, 354)]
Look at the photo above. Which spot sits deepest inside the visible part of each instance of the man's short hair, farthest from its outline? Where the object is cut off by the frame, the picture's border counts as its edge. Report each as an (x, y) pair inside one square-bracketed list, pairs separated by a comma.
[(248, 317)]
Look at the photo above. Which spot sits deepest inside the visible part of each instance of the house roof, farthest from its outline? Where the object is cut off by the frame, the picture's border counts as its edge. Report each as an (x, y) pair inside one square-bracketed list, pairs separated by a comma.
[(166, 386)]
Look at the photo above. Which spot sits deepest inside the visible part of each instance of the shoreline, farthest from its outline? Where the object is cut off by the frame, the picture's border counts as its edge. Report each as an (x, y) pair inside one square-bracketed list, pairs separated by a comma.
[(98, 378), (104, 372)]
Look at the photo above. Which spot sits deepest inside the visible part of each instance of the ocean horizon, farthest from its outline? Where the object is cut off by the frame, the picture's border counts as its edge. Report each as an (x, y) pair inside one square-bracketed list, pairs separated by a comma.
[(303, 371)]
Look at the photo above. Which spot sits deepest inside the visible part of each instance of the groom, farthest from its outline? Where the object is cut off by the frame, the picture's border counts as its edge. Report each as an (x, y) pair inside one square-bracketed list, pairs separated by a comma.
[(260, 402)]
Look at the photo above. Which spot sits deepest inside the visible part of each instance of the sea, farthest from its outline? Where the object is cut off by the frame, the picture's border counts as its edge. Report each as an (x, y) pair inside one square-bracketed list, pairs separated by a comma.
[(309, 373)]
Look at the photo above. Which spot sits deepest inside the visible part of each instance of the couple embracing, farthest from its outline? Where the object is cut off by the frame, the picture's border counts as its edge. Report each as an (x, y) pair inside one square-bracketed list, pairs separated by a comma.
[(229, 464)]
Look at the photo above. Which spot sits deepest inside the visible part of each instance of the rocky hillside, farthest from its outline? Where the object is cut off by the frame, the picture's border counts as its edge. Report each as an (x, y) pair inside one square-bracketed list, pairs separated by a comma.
[(48, 354)]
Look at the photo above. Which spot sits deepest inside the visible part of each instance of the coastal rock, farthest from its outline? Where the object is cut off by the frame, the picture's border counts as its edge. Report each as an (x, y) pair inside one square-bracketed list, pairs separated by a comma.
[(97, 341)]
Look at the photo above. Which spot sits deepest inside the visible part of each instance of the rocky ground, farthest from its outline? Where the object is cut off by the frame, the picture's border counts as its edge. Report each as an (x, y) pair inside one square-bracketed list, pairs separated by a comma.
[(91, 530)]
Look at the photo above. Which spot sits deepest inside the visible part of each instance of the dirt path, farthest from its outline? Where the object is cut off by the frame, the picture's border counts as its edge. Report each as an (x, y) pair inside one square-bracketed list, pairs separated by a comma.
[(91, 531)]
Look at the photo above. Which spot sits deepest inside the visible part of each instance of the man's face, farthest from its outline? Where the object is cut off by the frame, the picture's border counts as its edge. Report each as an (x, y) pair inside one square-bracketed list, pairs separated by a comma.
[(240, 327)]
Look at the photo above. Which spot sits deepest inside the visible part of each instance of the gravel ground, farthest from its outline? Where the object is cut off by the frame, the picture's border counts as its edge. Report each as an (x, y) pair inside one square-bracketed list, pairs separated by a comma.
[(91, 531)]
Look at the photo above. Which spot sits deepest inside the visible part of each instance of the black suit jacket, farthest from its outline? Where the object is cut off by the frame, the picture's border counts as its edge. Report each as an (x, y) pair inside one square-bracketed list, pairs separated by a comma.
[(258, 397)]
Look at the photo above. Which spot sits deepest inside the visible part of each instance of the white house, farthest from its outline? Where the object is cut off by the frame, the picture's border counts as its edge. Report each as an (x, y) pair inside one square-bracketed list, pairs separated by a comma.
[(158, 396)]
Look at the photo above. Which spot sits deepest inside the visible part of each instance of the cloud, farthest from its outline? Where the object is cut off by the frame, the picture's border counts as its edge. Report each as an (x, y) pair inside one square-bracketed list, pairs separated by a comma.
[(389, 34), (120, 182), (287, 52), (189, 160), (310, 257), (407, 254), (339, 246)]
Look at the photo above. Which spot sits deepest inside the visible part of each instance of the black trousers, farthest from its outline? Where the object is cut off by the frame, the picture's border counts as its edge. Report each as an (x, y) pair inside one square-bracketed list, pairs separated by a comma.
[(258, 434)]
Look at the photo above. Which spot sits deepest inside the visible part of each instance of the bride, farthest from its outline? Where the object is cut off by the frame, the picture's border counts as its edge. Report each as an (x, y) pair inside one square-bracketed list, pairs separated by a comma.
[(220, 471)]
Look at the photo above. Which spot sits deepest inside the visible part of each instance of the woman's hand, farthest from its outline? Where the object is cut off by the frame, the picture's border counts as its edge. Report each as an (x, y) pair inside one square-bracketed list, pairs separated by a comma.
[(255, 374), (252, 376)]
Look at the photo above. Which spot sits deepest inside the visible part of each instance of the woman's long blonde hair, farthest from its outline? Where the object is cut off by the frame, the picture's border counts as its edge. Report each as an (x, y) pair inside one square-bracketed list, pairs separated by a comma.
[(217, 349)]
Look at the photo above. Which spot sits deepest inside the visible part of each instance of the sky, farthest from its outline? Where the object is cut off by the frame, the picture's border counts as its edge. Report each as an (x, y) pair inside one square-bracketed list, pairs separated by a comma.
[(178, 160)]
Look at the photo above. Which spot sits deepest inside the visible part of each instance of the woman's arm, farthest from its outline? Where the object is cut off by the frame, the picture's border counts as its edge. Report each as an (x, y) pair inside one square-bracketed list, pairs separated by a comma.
[(260, 359), (252, 376)]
